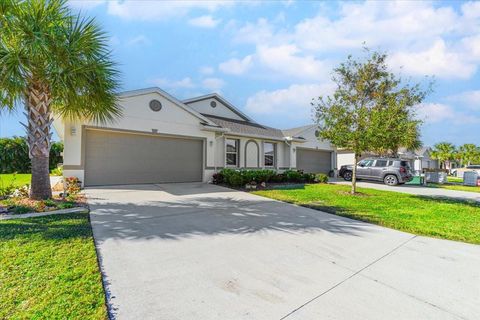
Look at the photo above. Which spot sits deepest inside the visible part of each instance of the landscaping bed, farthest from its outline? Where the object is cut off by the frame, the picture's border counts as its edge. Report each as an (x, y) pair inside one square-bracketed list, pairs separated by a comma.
[(264, 179), (21, 205), (49, 269), (441, 218)]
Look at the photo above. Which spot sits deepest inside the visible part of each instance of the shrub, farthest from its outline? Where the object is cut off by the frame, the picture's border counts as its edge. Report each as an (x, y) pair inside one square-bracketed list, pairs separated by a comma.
[(72, 185), (22, 192), (308, 177), (14, 155), (293, 176), (58, 171), (321, 178), (7, 190), (218, 178)]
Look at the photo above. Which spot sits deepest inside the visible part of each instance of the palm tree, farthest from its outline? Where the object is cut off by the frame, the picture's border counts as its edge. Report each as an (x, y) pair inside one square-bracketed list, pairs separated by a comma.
[(443, 152), (52, 61), (468, 153)]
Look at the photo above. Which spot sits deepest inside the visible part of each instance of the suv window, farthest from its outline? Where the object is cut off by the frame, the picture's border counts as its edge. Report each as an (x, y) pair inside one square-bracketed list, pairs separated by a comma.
[(381, 163), (365, 163), (404, 164), (473, 167)]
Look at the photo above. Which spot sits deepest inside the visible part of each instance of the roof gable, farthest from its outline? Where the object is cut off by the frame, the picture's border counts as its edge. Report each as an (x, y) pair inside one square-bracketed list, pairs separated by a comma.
[(222, 108), (181, 105)]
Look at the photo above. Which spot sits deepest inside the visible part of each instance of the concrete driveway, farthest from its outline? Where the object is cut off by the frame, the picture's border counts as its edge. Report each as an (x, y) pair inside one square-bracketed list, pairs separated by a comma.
[(197, 251)]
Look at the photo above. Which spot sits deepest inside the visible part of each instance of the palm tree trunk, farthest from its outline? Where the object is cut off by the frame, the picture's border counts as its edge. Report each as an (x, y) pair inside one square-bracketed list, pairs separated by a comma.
[(38, 129)]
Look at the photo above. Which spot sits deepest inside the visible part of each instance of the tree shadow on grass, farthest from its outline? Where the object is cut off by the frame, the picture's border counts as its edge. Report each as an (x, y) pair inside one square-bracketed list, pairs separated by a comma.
[(54, 227)]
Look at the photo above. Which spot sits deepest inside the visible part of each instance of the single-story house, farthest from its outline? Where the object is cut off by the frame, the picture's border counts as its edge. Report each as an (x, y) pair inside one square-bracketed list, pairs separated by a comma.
[(162, 139), (419, 159)]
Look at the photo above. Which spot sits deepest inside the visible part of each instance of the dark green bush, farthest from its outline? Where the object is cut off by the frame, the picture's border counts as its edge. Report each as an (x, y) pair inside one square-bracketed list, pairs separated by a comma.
[(293, 176), (240, 177), (14, 155)]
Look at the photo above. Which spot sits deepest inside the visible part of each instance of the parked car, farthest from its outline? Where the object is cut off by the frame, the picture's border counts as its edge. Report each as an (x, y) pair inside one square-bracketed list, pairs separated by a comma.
[(458, 172), (391, 171)]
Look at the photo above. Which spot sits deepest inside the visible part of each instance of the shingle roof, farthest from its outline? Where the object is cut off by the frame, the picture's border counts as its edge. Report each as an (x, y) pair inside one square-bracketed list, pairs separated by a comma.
[(247, 128), (293, 132)]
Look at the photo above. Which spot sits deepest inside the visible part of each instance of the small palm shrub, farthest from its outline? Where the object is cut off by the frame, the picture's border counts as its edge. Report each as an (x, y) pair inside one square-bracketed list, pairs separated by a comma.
[(321, 178)]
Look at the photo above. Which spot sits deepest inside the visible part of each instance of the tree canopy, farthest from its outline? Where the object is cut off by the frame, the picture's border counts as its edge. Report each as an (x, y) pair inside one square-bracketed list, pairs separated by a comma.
[(371, 109)]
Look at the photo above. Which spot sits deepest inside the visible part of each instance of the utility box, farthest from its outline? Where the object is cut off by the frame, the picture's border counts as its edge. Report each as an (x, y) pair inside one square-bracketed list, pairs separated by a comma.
[(436, 177), (471, 178)]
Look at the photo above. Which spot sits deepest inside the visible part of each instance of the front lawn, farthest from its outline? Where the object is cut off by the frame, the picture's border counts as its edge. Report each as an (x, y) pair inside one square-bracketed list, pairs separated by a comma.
[(447, 219), (49, 270), (454, 179), (457, 187), (18, 179)]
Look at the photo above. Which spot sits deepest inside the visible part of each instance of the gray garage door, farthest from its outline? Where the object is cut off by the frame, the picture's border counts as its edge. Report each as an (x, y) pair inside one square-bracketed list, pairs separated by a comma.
[(314, 161), (122, 158)]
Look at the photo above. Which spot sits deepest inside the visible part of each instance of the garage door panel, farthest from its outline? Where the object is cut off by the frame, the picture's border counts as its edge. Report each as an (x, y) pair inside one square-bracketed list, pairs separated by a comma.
[(123, 158), (314, 161)]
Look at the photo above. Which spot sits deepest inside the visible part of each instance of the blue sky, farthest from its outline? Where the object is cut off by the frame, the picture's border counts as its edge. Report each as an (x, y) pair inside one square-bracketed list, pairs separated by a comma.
[(271, 58)]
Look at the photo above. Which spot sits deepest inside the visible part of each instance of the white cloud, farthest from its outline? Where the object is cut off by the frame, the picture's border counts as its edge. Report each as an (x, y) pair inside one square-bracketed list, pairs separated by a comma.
[(160, 10), (470, 99), (293, 102), (184, 83), (236, 66), (214, 84), (259, 32), (436, 60), (204, 22), (439, 112), (206, 70), (435, 112), (424, 37), (287, 60), (138, 40)]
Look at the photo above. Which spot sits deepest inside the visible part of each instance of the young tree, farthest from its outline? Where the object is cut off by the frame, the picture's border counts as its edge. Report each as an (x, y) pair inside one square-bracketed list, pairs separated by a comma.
[(443, 152), (370, 110), (53, 61), (468, 153)]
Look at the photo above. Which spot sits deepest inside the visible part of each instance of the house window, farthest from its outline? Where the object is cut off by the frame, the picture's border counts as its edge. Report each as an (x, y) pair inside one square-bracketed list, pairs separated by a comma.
[(269, 154), (232, 152)]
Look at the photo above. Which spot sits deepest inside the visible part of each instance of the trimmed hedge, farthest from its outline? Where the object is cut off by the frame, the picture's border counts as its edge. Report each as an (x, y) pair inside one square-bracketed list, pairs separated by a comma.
[(240, 177), (14, 155)]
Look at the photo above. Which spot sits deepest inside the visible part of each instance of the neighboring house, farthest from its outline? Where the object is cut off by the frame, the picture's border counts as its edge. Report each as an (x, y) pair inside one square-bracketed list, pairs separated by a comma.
[(419, 159), (162, 139)]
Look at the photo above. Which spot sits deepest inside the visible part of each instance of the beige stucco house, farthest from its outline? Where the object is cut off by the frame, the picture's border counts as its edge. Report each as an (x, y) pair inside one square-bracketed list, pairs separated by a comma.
[(162, 139)]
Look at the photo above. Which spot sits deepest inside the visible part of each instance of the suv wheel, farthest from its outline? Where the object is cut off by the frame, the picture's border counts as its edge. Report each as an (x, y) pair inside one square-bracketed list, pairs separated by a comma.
[(347, 175), (390, 180)]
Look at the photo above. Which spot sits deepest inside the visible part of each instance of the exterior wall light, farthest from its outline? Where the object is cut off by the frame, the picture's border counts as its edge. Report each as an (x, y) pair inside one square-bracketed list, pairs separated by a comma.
[(73, 130)]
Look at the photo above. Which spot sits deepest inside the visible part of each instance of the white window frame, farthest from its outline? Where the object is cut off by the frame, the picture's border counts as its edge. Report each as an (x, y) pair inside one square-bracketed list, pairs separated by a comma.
[(274, 154), (237, 153)]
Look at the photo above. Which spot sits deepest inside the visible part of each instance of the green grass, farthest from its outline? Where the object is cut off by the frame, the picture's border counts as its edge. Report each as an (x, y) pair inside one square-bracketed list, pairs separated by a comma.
[(457, 187), (49, 270), (19, 179), (447, 219), (455, 179)]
